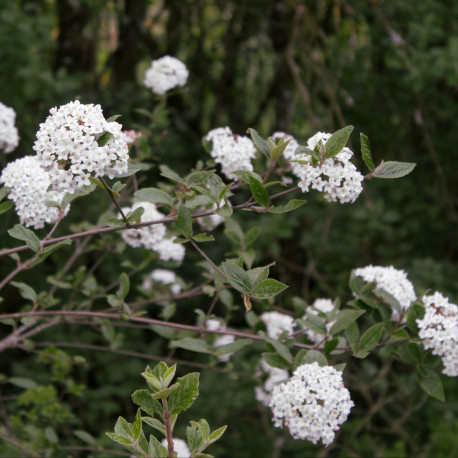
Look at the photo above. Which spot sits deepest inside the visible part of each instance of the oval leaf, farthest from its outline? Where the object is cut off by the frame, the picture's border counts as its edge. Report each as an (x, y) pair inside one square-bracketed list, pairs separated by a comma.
[(393, 169), (337, 141), (267, 288)]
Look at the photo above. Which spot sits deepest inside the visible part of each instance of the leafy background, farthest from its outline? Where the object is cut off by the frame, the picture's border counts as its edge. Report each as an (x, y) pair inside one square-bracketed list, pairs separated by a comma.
[(388, 68)]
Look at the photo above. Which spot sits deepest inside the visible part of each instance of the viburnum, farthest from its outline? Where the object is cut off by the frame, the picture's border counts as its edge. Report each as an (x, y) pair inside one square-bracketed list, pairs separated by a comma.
[(29, 184), (312, 404), (264, 394), (277, 323), (439, 330), (180, 447), (153, 237), (165, 74), (232, 152), (320, 305), (290, 151), (337, 177), (69, 146), (393, 281), (215, 325), (164, 276), (9, 137)]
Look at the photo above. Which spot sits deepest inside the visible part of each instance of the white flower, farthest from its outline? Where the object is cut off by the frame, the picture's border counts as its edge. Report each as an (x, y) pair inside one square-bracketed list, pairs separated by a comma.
[(312, 404), (337, 177), (165, 74), (179, 446), (393, 281), (164, 276), (232, 152), (29, 184), (275, 375), (277, 323), (168, 250), (209, 222), (9, 137), (67, 146), (439, 331), (215, 325), (323, 306)]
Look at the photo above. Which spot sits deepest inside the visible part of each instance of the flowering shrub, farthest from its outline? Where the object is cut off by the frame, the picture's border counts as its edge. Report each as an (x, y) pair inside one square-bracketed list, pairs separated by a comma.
[(302, 369)]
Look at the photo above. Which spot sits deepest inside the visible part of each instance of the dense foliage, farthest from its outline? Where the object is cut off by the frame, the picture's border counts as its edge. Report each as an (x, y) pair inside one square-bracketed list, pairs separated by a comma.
[(387, 68)]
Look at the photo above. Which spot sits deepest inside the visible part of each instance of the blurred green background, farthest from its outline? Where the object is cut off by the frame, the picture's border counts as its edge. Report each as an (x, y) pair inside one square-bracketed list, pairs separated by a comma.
[(388, 68)]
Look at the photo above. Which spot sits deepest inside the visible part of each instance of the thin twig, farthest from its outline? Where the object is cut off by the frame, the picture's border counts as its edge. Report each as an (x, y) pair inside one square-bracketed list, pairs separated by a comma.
[(194, 244)]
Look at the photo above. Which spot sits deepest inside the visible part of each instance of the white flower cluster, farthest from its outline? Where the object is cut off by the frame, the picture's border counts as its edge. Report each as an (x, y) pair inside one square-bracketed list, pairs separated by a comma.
[(275, 375), (180, 447), (232, 152), (439, 331), (337, 177), (153, 237), (277, 323), (164, 276), (165, 74), (29, 184), (393, 281), (226, 339), (313, 403), (323, 306), (9, 138), (67, 147)]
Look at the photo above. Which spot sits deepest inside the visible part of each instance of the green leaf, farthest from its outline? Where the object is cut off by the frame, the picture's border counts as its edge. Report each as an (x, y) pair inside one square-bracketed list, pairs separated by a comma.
[(216, 434), (431, 383), (156, 424), (165, 392), (258, 273), (137, 426), (26, 291), (315, 356), (156, 449), (154, 196), (136, 215), (21, 233), (85, 437), (184, 396), (232, 347), (371, 337), (251, 235), (259, 192), (79, 192), (124, 285), (4, 192), (261, 144), (277, 151), (97, 182), (352, 333), (184, 221), (225, 211), (167, 172), (415, 312), (275, 360), (281, 349), (267, 288), (196, 178), (290, 206), (115, 222), (393, 169), (5, 206), (119, 439), (337, 141), (203, 237), (149, 405), (104, 138), (191, 344), (344, 318), (366, 152), (237, 277), (195, 437), (22, 382), (55, 246), (113, 118), (389, 299)]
